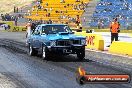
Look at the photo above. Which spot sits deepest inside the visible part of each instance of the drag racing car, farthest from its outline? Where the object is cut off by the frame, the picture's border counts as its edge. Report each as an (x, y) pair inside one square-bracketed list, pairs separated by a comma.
[(57, 39)]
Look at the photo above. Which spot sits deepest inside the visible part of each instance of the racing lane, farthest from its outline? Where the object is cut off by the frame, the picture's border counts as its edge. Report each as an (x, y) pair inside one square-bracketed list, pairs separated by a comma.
[(122, 37), (58, 72)]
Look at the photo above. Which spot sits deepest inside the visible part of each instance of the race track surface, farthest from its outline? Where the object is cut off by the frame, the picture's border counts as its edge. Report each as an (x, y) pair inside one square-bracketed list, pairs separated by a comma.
[(57, 72)]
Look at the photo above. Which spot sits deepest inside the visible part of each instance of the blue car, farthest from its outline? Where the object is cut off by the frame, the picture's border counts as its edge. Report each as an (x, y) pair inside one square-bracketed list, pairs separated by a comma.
[(58, 39)]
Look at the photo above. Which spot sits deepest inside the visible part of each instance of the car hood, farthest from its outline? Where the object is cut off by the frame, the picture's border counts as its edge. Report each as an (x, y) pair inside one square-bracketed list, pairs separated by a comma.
[(63, 36)]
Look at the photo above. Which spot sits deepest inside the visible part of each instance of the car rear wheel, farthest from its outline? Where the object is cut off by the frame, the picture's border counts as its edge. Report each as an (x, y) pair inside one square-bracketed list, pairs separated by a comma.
[(45, 53), (32, 51), (81, 54)]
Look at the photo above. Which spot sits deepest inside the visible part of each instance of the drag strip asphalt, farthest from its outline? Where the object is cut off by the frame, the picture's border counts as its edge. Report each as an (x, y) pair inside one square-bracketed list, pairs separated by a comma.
[(57, 72)]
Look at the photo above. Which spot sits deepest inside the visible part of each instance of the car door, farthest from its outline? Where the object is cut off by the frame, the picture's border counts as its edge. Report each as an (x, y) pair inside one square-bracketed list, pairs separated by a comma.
[(39, 37), (36, 38), (43, 38)]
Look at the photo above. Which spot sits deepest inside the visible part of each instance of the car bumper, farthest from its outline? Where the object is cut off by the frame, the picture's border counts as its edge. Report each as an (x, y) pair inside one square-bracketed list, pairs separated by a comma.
[(66, 49)]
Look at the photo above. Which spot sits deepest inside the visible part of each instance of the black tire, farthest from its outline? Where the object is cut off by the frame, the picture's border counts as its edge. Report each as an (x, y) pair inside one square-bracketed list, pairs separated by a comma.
[(45, 53), (81, 54), (32, 51)]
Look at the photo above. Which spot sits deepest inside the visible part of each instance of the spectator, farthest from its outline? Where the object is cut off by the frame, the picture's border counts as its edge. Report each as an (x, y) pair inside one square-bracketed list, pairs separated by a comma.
[(17, 9), (33, 8), (48, 15), (77, 0), (41, 1), (66, 23), (50, 21), (3, 17), (74, 6), (6, 26), (47, 4), (64, 6), (57, 11), (62, 1), (15, 21), (46, 9), (39, 7), (7, 17), (29, 12), (99, 24), (84, 19), (14, 9), (79, 28), (33, 27), (102, 24), (38, 3), (28, 29), (68, 5), (51, 9), (21, 10), (114, 28), (78, 20)]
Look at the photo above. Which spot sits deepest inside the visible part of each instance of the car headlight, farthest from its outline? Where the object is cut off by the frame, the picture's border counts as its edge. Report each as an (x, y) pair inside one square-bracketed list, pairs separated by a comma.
[(52, 43), (83, 42)]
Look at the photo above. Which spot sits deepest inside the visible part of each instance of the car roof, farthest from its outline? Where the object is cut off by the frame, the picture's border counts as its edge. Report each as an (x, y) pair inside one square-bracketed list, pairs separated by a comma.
[(51, 24)]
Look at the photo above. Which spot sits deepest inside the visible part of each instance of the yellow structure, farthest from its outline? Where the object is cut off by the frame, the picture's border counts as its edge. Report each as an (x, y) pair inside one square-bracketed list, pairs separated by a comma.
[(93, 41), (59, 12), (120, 47)]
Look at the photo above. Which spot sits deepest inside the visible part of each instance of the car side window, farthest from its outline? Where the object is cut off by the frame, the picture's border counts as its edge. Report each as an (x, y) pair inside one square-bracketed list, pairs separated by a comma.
[(44, 30), (37, 30)]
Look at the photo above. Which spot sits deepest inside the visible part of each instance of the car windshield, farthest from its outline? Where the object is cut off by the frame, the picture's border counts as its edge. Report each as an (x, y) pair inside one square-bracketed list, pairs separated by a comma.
[(53, 29)]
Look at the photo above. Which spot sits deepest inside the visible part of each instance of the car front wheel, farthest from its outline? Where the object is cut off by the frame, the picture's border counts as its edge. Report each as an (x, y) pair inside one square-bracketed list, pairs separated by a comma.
[(32, 51), (81, 54), (45, 53)]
